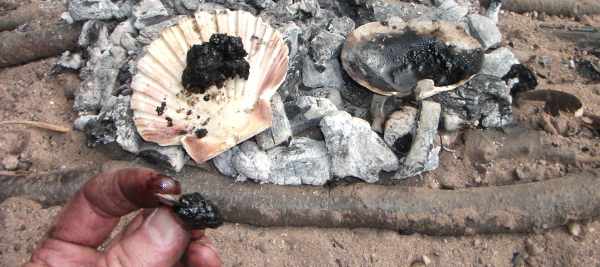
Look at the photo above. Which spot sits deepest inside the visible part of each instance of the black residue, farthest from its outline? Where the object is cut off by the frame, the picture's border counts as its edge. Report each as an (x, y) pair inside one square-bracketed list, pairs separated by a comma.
[(201, 133), (169, 122), (160, 110), (182, 132), (206, 97), (197, 212), (402, 144), (527, 80), (212, 62), (443, 64)]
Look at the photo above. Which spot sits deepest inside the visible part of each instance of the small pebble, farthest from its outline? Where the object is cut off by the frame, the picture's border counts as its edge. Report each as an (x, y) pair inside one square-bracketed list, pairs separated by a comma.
[(574, 229), (263, 247), (519, 174), (24, 165), (532, 248), (10, 162), (426, 260), (591, 253)]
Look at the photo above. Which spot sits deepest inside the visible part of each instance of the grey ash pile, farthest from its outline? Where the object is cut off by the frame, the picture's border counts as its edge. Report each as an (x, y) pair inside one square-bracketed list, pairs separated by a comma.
[(359, 134)]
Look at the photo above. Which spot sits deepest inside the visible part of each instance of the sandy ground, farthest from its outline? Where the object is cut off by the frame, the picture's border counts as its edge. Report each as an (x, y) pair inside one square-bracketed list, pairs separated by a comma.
[(27, 94)]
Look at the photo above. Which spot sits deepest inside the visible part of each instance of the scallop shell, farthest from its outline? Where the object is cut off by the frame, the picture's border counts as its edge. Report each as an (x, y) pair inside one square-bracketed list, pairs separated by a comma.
[(374, 51), (225, 116)]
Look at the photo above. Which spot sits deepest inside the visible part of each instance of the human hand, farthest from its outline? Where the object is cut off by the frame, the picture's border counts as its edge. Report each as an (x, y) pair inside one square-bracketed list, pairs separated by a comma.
[(153, 238)]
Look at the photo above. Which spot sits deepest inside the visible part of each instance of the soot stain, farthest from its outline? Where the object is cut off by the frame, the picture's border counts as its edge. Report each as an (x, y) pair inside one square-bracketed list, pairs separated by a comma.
[(212, 62), (169, 121)]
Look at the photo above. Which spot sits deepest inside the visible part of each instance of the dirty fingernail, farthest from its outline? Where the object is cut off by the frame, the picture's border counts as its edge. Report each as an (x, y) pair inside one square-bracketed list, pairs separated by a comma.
[(162, 227)]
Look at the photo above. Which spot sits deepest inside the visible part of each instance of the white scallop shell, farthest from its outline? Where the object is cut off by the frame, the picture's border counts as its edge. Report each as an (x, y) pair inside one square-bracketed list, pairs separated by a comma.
[(233, 113)]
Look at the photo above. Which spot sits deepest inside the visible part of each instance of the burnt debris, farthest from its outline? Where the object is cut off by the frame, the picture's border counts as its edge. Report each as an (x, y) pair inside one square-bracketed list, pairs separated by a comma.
[(444, 64), (212, 62), (197, 212)]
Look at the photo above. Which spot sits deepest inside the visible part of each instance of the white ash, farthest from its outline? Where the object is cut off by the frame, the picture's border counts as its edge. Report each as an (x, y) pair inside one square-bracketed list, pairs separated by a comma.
[(355, 149)]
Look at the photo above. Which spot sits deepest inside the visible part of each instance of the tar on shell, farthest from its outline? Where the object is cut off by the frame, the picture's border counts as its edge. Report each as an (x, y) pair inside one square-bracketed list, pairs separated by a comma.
[(213, 62), (197, 212)]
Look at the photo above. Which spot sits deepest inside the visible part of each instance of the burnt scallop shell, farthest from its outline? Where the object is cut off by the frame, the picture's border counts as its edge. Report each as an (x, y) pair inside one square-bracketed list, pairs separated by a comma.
[(209, 123), (391, 58)]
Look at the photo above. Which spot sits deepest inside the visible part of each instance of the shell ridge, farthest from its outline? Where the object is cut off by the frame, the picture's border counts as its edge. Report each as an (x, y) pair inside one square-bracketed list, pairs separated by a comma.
[(190, 33), (160, 75), (163, 53)]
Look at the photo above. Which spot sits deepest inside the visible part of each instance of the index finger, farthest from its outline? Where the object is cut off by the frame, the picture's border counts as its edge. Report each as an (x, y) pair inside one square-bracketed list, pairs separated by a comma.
[(90, 215)]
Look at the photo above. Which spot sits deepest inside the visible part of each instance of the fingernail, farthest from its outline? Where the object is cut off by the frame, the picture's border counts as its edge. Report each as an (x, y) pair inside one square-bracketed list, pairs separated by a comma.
[(162, 227), (207, 244)]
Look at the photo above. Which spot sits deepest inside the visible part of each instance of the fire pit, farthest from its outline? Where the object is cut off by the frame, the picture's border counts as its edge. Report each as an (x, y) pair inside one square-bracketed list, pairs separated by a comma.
[(357, 137)]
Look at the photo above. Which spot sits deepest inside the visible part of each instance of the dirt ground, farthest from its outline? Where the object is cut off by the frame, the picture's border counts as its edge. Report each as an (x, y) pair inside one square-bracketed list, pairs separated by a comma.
[(26, 93)]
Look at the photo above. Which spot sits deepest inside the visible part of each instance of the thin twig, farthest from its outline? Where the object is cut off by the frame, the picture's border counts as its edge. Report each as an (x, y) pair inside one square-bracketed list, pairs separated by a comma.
[(38, 124)]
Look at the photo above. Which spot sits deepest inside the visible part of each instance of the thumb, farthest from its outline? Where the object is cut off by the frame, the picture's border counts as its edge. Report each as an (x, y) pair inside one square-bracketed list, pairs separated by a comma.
[(160, 240)]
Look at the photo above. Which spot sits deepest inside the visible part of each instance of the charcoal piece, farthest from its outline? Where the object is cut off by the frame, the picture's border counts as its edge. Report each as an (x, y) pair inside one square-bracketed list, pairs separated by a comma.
[(304, 161), (92, 9), (355, 149), (498, 62), (307, 112), (290, 33), (484, 100), (197, 212), (191, 5), (260, 4), (280, 131), (423, 154), (356, 95), (148, 13), (172, 157), (400, 129), (521, 77), (114, 124), (484, 30), (333, 94), (382, 11), (448, 10), (343, 26), (223, 162), (358, 12), (330, 77), (212, 62), (324, 47)]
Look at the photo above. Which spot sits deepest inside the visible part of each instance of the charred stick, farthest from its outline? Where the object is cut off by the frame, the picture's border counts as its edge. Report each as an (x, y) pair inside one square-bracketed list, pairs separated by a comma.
[(514, 208), (16, 48)]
